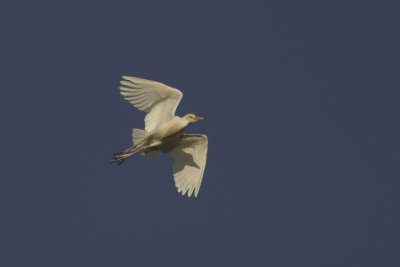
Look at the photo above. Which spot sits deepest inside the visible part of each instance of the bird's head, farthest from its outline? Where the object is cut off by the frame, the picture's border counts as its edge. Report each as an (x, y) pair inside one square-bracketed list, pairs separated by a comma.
[(191, 118)]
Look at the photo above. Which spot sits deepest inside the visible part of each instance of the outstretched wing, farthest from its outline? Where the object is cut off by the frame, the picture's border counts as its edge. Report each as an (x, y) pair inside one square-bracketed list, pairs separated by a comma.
[(158, 100), (190, 154)]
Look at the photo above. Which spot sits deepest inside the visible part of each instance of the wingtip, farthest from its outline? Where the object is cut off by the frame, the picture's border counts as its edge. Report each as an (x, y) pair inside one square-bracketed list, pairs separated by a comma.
[(124, 79), (127, 78)]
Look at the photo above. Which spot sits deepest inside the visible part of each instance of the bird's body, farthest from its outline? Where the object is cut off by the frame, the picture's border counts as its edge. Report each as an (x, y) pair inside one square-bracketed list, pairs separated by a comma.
[(164, 131), (169, 130)]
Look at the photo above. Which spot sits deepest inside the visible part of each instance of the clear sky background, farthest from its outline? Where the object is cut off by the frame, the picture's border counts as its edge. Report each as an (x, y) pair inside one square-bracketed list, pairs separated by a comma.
[(302, 114)]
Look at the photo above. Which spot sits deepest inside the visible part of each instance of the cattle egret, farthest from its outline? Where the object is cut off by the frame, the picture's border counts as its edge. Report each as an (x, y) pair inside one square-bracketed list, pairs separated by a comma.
[(165, 131)]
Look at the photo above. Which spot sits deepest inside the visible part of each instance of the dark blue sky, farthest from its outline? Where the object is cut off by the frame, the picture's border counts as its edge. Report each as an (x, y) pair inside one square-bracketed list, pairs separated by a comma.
[(302, 114)]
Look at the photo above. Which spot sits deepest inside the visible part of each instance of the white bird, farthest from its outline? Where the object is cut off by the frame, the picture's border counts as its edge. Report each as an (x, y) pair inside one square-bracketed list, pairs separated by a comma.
[(164, 131)]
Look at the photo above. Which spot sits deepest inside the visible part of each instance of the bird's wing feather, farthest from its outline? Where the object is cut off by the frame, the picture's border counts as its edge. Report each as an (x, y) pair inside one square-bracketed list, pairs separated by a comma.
[(158, 100), (190, 154)]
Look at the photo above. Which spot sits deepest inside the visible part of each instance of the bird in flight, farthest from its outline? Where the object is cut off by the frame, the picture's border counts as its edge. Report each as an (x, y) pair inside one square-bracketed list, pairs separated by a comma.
[(165, 131)]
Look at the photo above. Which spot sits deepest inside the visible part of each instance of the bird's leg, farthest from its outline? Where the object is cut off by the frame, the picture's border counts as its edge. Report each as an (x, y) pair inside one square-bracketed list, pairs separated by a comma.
[(128, 149), (119, 159), (192, 135), (125, 151), (134, 152)]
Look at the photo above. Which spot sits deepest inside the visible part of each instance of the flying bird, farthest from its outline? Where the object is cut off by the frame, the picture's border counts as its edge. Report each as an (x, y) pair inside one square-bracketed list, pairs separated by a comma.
[(164, 131)]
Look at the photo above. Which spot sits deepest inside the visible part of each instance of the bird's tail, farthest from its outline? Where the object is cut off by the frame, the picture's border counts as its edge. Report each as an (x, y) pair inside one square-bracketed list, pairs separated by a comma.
[(138, 135), (140, 144)]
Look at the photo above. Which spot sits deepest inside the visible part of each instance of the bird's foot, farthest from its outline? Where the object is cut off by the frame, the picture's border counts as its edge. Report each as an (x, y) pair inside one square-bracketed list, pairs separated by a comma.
[(119, 160), (121, 157)]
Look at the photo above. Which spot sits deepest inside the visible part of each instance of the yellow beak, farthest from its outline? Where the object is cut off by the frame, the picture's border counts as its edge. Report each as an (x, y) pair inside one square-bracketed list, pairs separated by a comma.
[(198, 118)]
